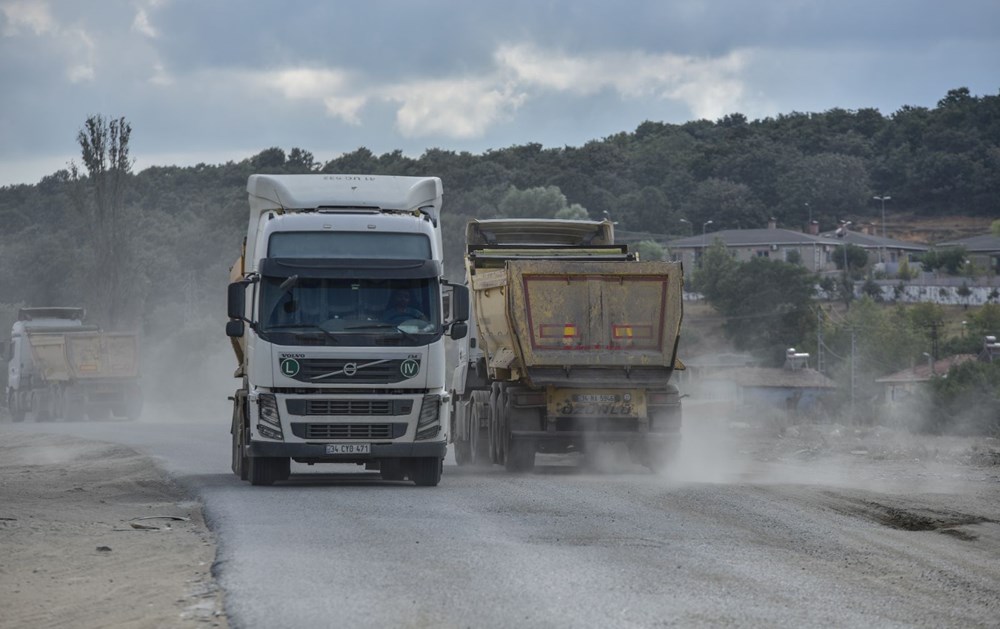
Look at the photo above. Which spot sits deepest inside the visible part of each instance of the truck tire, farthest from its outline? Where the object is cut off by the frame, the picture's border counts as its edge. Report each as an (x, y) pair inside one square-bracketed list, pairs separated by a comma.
[(479, 431), (265, 470), (496, 428), (240, 461), (461, 413), (426, 471), (17, 416), (463, 453)]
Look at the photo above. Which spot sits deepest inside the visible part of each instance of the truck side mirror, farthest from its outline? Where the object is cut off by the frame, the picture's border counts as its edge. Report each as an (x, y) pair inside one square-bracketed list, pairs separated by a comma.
[(459, 330), (460, 303), (236, 305), (234, 328)]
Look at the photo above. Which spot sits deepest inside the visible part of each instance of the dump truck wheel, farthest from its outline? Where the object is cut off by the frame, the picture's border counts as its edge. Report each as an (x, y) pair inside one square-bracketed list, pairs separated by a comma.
[(498, 425), (426, 471), (479, 436), (463, 448), (17, 416), (463, 453)]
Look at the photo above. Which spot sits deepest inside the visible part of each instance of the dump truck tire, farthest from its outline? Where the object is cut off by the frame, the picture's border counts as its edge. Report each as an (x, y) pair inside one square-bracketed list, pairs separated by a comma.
[(479, 423)]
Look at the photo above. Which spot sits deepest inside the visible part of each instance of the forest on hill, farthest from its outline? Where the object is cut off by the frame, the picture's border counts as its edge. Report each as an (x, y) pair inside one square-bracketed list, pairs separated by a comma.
[(179, 228)]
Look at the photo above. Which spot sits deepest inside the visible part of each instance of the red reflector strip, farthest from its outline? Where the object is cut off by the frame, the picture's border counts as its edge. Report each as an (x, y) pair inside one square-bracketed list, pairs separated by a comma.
[(557, 330), (629, 331)]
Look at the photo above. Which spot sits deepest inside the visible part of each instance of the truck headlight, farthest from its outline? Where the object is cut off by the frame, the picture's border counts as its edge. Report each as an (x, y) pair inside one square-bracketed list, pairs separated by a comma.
[(429, 424), (269, 423)]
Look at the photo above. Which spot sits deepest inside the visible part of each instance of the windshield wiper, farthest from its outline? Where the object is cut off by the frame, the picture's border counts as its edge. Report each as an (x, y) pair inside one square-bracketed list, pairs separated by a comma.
[(378, 326), (311, 326)]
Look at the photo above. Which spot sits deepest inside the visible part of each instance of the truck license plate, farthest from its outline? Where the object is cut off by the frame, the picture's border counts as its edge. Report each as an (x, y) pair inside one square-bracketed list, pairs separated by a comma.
[(597, 403), (348, 448)]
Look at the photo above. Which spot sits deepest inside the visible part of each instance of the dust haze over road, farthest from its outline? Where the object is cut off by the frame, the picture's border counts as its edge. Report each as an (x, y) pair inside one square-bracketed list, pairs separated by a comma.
[(809, 525)]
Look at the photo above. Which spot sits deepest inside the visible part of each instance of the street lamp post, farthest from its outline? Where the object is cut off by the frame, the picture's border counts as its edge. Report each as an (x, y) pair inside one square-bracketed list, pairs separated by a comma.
[(844, 225), (703, 226), (883, 198)]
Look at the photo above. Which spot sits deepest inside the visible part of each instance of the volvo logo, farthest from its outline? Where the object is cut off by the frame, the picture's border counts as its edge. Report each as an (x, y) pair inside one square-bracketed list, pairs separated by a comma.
[(350, 369)]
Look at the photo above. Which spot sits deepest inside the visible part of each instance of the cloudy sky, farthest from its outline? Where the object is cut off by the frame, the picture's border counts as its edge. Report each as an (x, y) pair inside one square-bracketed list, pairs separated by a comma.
[(218, 80)]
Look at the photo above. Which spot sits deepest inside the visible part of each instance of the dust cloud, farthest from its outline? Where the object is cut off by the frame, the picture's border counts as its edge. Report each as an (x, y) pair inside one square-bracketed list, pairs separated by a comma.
[(186, 381), (740, 446)]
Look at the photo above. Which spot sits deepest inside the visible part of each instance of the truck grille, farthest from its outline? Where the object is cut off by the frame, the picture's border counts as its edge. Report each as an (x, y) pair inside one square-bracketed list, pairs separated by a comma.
[(367, 408), (361, 371), (348, 431)]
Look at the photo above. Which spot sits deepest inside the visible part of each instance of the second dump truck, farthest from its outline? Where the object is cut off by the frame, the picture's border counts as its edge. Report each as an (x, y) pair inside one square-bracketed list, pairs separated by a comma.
[(60, 367), (574, 344)]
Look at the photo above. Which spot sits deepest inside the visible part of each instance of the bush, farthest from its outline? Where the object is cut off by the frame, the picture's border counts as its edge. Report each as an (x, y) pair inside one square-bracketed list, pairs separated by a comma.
[(966, 401)]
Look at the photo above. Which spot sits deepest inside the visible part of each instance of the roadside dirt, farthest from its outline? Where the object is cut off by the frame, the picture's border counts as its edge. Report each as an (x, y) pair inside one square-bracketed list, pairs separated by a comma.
[(94, 535)]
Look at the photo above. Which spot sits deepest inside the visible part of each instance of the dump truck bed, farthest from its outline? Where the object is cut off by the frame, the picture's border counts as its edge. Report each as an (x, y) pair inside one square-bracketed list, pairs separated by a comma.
[(536, 316), (86, 355)]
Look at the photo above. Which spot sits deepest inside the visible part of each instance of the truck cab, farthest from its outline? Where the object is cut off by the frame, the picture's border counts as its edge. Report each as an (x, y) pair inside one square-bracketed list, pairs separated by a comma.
[(339, 314)]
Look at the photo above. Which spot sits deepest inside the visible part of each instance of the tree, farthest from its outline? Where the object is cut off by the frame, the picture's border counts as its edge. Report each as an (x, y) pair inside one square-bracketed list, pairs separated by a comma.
[(856, 258), (541, 202), (300, 161), (650, 250), (574, 212), (717, 264), (951, 259), (99, 196), (767, 306), (967, 401), (726, 203), (964, 292)]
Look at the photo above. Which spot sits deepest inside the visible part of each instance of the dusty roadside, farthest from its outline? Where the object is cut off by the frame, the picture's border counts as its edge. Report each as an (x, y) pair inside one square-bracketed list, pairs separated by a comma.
[(94, 535)]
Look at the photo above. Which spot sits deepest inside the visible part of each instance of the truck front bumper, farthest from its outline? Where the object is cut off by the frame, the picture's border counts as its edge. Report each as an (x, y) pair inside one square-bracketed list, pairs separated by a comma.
[(316, 452)]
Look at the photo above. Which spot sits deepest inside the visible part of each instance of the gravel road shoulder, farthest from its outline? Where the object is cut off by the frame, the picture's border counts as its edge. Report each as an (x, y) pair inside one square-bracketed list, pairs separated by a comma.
[(95, 535)]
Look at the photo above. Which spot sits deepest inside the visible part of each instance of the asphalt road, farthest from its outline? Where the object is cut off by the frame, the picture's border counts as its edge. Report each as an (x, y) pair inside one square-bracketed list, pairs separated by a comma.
[(899, 543)]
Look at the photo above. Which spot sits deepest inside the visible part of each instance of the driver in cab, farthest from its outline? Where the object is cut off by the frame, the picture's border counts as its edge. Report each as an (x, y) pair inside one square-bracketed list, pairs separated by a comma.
[(399, 309)]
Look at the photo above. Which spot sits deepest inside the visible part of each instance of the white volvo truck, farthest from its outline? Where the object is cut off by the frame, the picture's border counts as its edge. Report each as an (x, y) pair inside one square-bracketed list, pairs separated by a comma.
[(338, 313)]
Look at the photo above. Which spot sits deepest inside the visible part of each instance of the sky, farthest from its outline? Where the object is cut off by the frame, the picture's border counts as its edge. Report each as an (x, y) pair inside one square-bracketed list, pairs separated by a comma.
[(218, 80)]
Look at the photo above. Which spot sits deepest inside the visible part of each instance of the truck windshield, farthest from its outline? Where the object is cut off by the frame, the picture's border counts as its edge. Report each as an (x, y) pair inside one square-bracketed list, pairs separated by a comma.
[(337, 311)]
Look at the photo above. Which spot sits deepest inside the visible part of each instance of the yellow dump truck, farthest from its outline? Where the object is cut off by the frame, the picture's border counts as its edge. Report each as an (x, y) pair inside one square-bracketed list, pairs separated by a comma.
[(574, 344), (61, 368)]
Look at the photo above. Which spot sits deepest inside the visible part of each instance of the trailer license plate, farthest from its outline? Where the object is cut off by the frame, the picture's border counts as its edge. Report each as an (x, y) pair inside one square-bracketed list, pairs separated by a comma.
[(348, 448)]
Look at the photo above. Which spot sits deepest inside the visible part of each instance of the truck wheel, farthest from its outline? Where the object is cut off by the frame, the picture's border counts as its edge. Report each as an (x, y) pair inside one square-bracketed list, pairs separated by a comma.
[(479, 436), (460, 414), (265, 470), (463, 453), (240, 461), (17, 416), (426, 471)]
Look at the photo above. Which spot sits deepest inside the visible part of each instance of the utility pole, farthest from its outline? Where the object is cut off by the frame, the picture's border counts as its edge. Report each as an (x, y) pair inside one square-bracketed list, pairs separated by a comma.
[(819, 339), (853, 381)]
